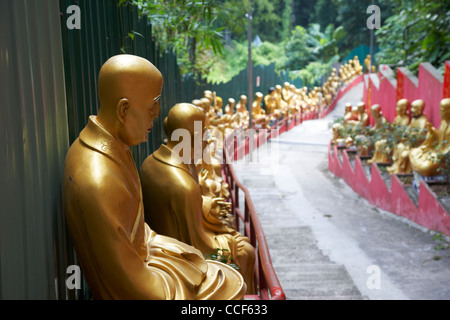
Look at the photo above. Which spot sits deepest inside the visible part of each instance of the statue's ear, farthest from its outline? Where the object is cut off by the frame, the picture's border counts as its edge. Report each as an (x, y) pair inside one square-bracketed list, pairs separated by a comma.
[(122, 109)]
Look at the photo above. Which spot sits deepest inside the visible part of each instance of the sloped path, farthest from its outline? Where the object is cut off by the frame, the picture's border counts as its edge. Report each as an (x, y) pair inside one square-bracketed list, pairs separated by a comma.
[(325, 241)]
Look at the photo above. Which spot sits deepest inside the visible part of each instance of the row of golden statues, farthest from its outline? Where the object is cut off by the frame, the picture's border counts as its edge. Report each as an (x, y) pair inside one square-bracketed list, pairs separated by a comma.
[(281, 101), (410, 143), (149, 233)]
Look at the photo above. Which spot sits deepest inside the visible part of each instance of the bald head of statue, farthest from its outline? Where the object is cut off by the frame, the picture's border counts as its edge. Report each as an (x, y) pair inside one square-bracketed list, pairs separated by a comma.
[(129, 90), (190, 119)]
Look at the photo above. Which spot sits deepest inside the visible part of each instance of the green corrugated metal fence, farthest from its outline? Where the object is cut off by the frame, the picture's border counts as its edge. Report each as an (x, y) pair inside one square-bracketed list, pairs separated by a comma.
[(33, 144)]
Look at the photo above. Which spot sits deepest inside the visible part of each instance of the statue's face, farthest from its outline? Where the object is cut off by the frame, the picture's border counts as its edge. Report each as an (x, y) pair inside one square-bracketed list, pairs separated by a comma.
[(445, 110), (141, 113), (416, 110)]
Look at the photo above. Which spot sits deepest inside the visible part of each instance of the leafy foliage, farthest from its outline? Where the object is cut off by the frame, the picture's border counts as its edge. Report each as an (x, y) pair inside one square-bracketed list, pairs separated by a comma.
[(222, 255), (418, 31), (188, 27)]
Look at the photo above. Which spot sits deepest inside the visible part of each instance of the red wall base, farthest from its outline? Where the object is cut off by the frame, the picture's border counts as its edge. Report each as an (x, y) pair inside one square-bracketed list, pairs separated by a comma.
[(429, 213)]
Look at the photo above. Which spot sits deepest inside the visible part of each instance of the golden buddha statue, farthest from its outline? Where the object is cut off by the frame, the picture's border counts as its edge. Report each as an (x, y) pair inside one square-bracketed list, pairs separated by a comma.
[(382, 153), (282, 105), (412, 138), (367, 62), (418, 120), (358, 66), (242, 104), (295, 101), (425, 158), (377, 115), (218, 105), (258, 112), (400, 157), (286, 92), (173, 201), (229, 108), (351, 115), (363, 117), (270, 102), (337, 131), (402, 118), (120, 255)]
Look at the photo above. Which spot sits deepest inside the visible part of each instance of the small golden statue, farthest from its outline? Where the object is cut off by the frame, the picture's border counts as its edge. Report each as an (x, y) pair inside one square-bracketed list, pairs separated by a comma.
[(258, 112), (120, 255), (402, 118), (229, 108), (425, 158), (419, 120), (378, 117), (363, 117)]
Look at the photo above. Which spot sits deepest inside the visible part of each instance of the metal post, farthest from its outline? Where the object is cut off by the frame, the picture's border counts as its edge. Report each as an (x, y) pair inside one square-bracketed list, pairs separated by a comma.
[(250, 66), (250, 80), (371, 45)]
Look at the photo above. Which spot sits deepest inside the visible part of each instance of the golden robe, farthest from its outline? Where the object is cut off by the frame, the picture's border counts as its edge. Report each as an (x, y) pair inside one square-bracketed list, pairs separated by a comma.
[(174, 207), (121, 257)]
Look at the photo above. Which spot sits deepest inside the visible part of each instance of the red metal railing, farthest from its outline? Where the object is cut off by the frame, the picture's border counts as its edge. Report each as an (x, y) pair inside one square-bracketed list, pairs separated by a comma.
[(268, 285), (266, 280)]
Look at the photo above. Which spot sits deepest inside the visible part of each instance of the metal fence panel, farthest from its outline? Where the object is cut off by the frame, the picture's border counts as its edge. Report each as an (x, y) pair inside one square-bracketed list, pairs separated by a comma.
[(34, 142)]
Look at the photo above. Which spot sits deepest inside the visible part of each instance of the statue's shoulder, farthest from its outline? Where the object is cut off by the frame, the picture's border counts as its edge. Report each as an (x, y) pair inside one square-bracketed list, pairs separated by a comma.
[(88, 167)]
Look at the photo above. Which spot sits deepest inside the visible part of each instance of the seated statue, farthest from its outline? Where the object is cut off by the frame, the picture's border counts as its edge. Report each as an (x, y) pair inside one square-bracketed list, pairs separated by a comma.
[(402, 118), (425, 158), (382, 152), (351, 115), (120, 255), (412, 138), (286, 92), (282, 105), (242, 104), (218, 106), (367, 63), (400, 157), (270, 102), (419, 120), (358, 66), (337, 131), (378, 117), (363, 117), (258, 112), (229, 108), (173, 201)]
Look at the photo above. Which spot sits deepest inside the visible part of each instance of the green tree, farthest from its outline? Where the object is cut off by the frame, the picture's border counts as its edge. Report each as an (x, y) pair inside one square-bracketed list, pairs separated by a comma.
[(303, 11), (324, 45), (298, 53), (267, 22), (418, 31), (352, 15), (325, 13), (287, 19), (188, 27)]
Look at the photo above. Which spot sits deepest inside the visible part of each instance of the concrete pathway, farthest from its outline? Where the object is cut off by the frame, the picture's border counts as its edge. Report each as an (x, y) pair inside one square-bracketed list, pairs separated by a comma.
[(325, 241)]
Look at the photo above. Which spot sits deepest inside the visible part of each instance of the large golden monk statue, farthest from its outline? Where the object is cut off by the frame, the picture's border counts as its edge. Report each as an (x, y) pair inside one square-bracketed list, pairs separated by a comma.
[(120, 255), (424, 159), (173, 200)]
